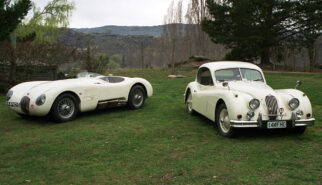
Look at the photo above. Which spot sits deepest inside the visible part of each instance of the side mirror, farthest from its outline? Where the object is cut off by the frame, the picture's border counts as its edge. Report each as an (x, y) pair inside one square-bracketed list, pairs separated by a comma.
[(298, 84), (225, 84)]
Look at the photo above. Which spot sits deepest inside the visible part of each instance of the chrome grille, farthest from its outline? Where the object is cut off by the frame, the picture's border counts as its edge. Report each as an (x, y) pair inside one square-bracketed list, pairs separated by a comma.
[(24, 104), (272, 106)]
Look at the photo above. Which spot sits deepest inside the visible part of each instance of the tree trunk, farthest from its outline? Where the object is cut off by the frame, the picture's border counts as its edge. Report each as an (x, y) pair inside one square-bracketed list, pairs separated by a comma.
[(311, 57), (13, 59), (142, 55), (265, 59), (172, 56)]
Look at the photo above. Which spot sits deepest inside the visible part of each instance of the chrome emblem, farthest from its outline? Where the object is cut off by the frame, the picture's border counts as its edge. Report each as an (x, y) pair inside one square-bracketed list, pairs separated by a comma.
[(281, 110)]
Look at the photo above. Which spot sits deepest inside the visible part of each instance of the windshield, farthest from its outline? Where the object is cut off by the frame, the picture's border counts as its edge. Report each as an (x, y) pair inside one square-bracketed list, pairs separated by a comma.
[(87, 74), (236, 74)]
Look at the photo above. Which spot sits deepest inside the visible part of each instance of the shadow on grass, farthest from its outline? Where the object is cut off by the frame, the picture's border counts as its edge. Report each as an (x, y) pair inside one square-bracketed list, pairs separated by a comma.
[(48, 120), (250, 133)]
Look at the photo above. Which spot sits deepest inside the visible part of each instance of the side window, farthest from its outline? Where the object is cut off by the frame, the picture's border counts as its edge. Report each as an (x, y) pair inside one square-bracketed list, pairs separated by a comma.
[(204, 77)]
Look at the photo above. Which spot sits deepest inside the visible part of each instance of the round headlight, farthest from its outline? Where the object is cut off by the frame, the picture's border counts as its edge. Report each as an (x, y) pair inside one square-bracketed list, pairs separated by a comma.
[(294, 103), (9, 95), (41, 100), (254, 104)]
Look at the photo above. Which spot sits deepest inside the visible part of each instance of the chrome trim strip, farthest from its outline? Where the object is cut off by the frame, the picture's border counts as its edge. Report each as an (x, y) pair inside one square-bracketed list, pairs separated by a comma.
[(304, 122)]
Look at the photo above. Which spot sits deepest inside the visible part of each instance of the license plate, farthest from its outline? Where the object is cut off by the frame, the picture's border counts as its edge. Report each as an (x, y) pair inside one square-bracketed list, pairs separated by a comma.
[(276, 124), (13, 104)]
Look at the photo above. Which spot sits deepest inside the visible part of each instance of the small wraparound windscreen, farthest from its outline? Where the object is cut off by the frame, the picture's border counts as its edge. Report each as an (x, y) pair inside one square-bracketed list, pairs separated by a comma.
[(236, 74), (251, 75)]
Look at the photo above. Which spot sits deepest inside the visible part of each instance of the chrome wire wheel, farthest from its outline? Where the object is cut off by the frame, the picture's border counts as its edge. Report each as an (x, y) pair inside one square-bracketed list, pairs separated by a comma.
[(189, 103), (224, 120), (138, 97), (66, 108)]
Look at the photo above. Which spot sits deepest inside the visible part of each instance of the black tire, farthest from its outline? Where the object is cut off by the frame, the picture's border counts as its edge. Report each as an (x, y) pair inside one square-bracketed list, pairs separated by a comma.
[(137, 97), (224, 128), (298, 130), (189, 104), (65, 108)]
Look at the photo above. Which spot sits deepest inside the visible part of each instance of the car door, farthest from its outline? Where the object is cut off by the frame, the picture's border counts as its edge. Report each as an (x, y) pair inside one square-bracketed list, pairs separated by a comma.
[(202, 94), (113, 88)]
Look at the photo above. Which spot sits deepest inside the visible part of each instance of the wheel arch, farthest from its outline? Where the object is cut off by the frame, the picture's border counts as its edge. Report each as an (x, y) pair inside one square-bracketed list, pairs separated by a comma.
[(186, 94), (143, 86), (219, 102), (67, 92)]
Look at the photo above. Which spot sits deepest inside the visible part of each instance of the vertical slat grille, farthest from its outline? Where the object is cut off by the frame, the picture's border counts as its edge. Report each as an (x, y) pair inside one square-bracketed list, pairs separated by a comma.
[(272, 106), (24, 103)]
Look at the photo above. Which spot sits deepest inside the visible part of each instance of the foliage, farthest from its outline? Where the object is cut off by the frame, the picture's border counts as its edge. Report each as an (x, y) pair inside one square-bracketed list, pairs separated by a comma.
[(251, 27), (46, 22), (159, 144), (113, 65), (11, 15)]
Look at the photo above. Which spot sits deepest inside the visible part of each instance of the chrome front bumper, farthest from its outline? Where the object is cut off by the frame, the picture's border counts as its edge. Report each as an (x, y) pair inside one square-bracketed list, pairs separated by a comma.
[(259, 122)]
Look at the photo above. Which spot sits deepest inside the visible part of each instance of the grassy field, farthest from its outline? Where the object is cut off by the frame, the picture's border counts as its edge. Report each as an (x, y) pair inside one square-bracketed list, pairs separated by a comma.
[(159, 144)]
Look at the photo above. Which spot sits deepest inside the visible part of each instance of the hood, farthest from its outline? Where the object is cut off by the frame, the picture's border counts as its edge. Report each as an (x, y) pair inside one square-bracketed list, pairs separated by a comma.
[(40, 87), (256, 89)]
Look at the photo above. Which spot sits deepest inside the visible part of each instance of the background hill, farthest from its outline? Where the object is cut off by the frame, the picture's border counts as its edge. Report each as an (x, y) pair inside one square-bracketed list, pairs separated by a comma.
[(154, 31)]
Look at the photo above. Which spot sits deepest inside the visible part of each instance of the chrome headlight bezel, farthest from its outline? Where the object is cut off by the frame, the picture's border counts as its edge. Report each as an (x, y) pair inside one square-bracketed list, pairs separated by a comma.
[(41, 100), (9, 95), (293, 103), (254, 104)]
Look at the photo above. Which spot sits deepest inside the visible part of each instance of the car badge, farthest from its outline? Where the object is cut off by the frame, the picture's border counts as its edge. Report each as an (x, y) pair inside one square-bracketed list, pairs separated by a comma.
[(270, 110), (281, 110)]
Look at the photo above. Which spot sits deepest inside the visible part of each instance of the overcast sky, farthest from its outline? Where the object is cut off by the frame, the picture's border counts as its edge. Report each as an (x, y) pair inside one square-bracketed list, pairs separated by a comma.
[(94, 13)]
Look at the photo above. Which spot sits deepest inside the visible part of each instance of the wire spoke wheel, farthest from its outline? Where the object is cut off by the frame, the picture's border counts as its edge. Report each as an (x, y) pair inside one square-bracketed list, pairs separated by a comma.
[(189, 103), (224, 120), (138, 97), (66, 108)]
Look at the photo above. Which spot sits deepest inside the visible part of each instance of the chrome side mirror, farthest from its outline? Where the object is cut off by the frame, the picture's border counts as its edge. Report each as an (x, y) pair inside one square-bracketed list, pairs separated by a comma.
[(298, 84), (225, 84)]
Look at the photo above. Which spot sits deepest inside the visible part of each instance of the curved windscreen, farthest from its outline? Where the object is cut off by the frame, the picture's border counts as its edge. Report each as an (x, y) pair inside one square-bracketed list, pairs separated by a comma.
[(87, 74)]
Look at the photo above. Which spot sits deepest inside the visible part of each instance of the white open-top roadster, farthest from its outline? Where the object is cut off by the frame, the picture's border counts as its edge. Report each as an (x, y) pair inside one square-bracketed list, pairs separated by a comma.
[(235, 95), (64, 99)]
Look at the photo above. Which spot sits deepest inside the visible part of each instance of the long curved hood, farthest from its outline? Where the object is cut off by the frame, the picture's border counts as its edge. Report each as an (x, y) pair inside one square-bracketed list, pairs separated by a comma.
[(39, 87), (255, 89)]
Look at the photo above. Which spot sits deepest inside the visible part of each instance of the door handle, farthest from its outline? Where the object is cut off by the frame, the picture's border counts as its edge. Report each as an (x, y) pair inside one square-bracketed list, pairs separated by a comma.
[(194, 90)]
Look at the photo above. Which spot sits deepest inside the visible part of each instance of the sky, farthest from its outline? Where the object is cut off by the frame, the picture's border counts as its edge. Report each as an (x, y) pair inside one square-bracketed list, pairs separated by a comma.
[(95, 13)]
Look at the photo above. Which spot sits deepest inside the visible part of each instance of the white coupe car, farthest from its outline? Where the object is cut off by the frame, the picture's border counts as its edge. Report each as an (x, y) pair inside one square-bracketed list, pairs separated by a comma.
[(235, 95), (64, 99)]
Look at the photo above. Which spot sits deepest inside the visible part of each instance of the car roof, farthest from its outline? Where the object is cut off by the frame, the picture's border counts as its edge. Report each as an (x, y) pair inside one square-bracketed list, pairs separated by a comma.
[(214, 66)]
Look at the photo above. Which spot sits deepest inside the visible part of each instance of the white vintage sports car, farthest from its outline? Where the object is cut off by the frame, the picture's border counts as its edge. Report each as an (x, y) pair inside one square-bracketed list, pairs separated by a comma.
[(235, 95), (64, 99)]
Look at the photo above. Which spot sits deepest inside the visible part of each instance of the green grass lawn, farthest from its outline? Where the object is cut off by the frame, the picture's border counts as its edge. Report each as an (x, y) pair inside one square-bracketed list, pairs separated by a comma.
[(159, 144)]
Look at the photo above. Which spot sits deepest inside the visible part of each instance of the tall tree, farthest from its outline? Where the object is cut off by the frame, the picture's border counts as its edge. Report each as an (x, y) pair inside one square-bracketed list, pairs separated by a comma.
[(251, 27), (47, 22), (11, 15)]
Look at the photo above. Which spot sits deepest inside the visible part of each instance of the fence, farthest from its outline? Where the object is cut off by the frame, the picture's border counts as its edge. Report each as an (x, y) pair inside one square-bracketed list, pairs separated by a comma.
[(26, 73)]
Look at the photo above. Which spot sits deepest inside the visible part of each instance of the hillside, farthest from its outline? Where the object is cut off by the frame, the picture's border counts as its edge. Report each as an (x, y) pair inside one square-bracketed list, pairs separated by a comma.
[(154, 31)]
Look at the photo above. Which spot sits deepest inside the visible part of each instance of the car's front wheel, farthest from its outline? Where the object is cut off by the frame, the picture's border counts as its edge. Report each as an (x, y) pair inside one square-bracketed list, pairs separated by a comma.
[(223, 122), (65, 108), (136, 97), (189, 104)]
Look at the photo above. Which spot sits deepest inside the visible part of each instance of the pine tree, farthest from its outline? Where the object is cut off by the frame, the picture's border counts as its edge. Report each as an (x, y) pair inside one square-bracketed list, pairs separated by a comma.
[(11, 15), (250, 28)]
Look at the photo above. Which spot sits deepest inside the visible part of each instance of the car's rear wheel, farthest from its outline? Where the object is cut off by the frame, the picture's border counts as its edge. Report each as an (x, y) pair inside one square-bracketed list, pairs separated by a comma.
[(223, 122), (298, 130), (189, 104), (136, 97), (65, 108)]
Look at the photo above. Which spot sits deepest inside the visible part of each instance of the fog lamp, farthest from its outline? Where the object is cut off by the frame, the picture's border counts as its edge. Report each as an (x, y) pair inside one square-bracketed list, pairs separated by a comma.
[(250, 114), (299, 114)]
